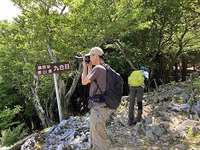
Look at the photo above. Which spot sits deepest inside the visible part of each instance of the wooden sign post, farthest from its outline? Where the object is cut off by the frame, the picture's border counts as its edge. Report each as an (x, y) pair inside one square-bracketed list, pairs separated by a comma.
[(54, 68)]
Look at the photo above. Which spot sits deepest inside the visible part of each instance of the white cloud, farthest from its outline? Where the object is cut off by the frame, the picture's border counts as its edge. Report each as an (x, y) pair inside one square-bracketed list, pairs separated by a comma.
[(8, 10)]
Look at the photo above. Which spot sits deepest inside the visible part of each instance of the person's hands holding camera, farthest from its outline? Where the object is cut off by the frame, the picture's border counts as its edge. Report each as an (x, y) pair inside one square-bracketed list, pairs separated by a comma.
[(86, 63)]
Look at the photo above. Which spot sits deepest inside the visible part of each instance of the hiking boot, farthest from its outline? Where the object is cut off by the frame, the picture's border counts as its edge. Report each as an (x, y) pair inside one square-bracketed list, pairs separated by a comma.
[(138, 119), (130, 122)]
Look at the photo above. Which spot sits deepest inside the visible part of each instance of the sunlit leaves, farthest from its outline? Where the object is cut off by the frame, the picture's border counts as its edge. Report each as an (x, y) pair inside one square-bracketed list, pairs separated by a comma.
[(142, 27), (7, 115)]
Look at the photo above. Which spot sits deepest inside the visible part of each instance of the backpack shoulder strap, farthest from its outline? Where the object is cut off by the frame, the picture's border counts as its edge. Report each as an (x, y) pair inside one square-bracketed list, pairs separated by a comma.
[(98, 87)]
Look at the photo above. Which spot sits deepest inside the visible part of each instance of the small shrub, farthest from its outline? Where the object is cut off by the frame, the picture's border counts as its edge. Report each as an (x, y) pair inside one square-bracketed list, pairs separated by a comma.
[(196, 84), (46, 129), (178, 99), (9, 137), (190, 132)]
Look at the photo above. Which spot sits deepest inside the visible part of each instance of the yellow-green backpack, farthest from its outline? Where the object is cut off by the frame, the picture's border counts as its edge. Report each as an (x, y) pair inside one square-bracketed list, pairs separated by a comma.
[(136, 78)]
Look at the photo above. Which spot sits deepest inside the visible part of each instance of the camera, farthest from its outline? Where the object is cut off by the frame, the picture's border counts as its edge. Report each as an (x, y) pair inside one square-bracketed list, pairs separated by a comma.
[(87, 58)]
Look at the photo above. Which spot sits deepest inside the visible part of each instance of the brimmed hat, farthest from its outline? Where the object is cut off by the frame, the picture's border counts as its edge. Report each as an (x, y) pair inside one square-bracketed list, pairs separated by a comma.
[(96, 51)]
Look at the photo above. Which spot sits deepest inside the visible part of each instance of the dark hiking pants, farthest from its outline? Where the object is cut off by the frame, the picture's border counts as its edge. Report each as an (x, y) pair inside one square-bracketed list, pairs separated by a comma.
[(135, 92)]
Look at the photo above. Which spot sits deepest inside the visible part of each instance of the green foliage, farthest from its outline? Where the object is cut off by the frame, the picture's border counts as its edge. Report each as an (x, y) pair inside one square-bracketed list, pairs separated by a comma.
[(196, 84), (6, 117), (194, 137), (178, 99), (191, 132), (46, 129), (144, 28), (193, 88), (9, 137), (190, 102)]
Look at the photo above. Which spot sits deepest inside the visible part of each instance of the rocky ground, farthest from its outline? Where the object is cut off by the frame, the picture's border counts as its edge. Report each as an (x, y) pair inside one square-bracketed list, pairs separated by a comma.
[(170, 122)]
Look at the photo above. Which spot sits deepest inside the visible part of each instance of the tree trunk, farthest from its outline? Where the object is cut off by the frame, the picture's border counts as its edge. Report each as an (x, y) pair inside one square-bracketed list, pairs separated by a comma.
[(167, 77), (51, 109), (61, 84), (184, 68), (122, 49), (176, 72), (61, 92), (38, 107), (71, 90), (51, 105), (36, 102), (18, 145)]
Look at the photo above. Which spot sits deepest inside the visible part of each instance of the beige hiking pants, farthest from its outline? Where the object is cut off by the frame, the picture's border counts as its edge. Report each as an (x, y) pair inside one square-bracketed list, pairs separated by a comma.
[(98, 119)]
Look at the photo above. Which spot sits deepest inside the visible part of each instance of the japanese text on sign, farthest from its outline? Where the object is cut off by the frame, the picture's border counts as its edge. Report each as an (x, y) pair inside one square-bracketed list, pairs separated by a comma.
[(52, 68)]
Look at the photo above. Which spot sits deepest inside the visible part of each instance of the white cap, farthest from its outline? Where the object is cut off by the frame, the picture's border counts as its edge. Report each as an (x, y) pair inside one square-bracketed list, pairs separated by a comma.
[(96, 50)]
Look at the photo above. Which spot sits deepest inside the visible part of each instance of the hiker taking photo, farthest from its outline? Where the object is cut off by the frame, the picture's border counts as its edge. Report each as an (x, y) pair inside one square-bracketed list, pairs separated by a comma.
[(96, 103), (136, 82)]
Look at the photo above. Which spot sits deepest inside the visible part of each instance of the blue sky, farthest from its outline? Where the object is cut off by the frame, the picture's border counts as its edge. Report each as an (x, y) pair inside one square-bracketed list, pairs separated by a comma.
[(8, 10)]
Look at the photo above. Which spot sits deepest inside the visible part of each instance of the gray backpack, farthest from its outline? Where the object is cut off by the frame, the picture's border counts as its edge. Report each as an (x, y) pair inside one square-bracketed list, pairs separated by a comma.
[(114, 88)]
